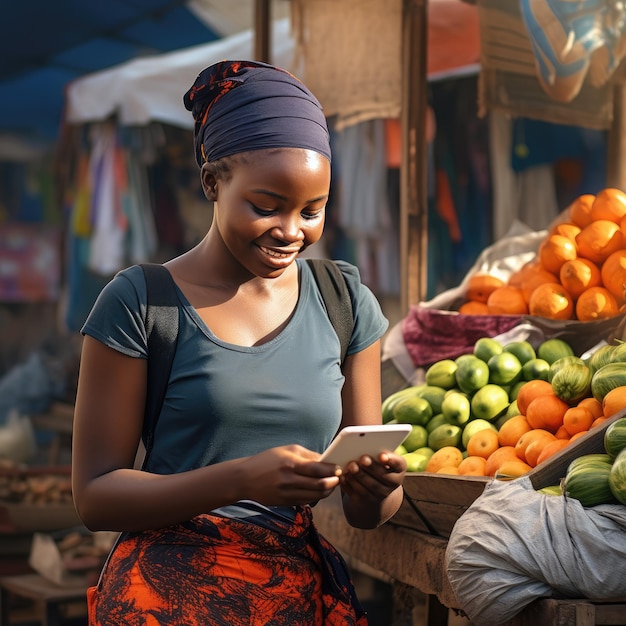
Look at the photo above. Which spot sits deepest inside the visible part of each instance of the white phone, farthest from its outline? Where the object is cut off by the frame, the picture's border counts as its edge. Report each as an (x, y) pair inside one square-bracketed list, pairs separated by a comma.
[(353, 442)]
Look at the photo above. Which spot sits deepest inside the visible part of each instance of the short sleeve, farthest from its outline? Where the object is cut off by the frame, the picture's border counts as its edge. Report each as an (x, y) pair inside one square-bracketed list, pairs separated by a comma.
[(370, 324), (117, 318)]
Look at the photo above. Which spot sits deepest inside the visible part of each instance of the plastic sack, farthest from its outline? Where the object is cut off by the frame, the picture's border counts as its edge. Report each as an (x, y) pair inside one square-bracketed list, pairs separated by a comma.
[(514, 545)]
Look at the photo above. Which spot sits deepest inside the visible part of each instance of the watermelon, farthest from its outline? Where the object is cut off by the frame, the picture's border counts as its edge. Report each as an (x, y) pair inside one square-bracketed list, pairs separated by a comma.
[(589, 484), (617, 477), (572, 382), (601, 357), (615, 438), (606, 378)]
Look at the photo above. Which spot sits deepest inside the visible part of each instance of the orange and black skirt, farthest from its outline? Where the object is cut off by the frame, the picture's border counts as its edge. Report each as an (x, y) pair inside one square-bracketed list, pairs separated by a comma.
[(214, 571)]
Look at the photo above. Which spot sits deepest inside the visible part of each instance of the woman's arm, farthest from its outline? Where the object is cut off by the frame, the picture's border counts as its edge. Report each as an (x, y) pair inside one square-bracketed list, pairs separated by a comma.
[(372, 489), (110, 495)]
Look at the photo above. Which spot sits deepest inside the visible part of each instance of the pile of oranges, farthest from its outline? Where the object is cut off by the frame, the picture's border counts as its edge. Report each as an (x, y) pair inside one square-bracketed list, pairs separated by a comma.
[(579, 271), (545, 425)]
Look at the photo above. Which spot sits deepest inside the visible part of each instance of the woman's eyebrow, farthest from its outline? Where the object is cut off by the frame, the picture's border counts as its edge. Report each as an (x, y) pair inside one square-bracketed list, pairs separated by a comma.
[(278, 196)]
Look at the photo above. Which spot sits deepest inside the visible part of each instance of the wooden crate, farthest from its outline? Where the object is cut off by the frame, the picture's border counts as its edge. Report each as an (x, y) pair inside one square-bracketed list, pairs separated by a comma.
[(434, 502)]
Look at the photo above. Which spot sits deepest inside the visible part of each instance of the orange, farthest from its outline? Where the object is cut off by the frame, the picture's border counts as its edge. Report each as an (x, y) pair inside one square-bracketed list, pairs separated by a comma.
[(609, 204), (483, 443), (527, 438), (566, 229), (555, 250), (512, 469), (576, 419), (507, 300), (448, 456), (614, 401), (546, 412), (551, 301), (510, 432), (531, 390), (599, 240), (579, 274), (471, 307), (535, 448), (550, 449), (472, 466), (598, 421), (596, 303), (480, 286), (582, 433), (613, 273), (594, 405), (448, 469), (579, 211), (562, 433), (534, 276), (495, 459)]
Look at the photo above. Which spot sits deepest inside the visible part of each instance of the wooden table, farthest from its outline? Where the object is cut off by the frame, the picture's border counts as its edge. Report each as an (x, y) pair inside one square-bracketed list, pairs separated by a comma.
[(49, 599), (415, 560)]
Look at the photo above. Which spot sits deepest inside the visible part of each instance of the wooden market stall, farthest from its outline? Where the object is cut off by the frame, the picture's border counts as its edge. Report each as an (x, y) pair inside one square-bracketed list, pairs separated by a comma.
[(419, 532)]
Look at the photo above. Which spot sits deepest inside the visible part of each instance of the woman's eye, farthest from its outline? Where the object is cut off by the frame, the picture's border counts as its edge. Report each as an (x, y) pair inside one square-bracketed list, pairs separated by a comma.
[(261, 211), (312, 216)]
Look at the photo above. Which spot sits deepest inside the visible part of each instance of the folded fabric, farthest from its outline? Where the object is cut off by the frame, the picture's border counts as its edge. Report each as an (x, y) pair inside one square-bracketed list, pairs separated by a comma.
[(431, 335)]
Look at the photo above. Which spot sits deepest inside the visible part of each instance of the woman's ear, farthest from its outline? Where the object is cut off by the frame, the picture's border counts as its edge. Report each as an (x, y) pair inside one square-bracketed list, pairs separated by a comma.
[(209, 183)]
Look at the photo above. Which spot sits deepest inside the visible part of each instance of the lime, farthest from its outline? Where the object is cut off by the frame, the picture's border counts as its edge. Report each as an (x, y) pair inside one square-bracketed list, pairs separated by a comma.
[(472, 374), (425, 451), (412, 410), (442, 374), (390, 401), (417, 438), (553, 349), (489, 402), (415, 462), (504, 368), (535, 369), (523, 350), (444, 435), (486, 347), (514, 390), (456, 408), (434, 395), (437, 420), (473, 426)]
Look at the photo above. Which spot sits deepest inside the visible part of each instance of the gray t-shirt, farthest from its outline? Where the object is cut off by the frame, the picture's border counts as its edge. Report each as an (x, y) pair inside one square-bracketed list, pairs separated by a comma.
[(226, 401)]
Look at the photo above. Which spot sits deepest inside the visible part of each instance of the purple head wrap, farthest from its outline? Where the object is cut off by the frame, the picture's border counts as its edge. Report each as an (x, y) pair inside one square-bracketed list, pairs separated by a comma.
[(240, 106)]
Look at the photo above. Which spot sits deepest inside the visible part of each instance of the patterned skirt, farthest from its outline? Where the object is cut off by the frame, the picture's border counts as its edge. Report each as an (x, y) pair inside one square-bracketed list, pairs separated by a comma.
[(214, 571)]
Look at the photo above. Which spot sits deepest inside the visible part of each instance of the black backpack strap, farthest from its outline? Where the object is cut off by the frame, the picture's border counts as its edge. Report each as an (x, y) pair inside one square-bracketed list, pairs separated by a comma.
[(162, 334), (336, 296)]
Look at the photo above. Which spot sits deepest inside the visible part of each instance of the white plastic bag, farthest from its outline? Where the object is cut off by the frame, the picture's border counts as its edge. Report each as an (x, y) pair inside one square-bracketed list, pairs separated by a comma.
[(514, 545)]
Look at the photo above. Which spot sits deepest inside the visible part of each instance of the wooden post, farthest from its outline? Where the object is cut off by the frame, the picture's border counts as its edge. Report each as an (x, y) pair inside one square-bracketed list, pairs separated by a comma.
[(413, 194), (262, 30), (616, 162)]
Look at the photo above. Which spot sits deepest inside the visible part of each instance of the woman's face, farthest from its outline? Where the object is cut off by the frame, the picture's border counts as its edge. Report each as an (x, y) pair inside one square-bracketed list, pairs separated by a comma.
[(270, 207)]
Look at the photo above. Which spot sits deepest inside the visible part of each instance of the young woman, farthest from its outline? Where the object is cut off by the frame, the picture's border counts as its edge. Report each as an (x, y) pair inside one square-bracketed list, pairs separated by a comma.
[(217, 528)]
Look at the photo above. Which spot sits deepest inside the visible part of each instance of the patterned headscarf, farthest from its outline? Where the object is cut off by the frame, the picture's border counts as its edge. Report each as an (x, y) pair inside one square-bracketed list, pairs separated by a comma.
[(245, 105)]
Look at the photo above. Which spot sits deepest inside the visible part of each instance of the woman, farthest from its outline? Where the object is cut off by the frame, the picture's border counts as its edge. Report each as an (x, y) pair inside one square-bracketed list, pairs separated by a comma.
[(217, 529)]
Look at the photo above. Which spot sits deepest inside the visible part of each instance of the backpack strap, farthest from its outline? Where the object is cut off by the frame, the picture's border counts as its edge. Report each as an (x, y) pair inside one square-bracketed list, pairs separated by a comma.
[(336, 296), (162, 334)]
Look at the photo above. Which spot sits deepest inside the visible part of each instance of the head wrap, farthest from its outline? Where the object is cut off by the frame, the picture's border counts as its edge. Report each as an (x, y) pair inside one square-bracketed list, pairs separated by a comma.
[(245, 105)]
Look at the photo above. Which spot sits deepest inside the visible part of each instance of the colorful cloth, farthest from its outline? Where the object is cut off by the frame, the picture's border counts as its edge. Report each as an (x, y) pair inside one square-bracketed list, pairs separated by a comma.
[(214, 571), (240, 106)]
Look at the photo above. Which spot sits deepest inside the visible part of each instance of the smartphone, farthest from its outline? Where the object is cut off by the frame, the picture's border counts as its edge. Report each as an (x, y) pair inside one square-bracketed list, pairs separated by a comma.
[(353, 442)]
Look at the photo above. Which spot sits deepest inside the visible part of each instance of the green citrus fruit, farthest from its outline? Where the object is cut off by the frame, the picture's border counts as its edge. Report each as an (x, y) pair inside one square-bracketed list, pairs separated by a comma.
[(444, 435), (523, 350), (472, 374), (437, 420), (417, 438), (415, 462), (486, 347), (442, 374), (456, 408), (535, 369), (434, 395), (489, 402), (504, 368), (413, 410)]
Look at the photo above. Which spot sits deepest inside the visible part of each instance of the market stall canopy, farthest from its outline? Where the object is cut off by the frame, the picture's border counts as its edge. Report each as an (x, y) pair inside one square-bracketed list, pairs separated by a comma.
[(150, 89), (44, 45)]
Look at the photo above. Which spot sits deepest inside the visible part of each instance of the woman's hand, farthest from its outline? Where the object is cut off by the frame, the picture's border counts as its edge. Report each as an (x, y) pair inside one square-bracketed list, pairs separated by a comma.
[(286, 475)]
